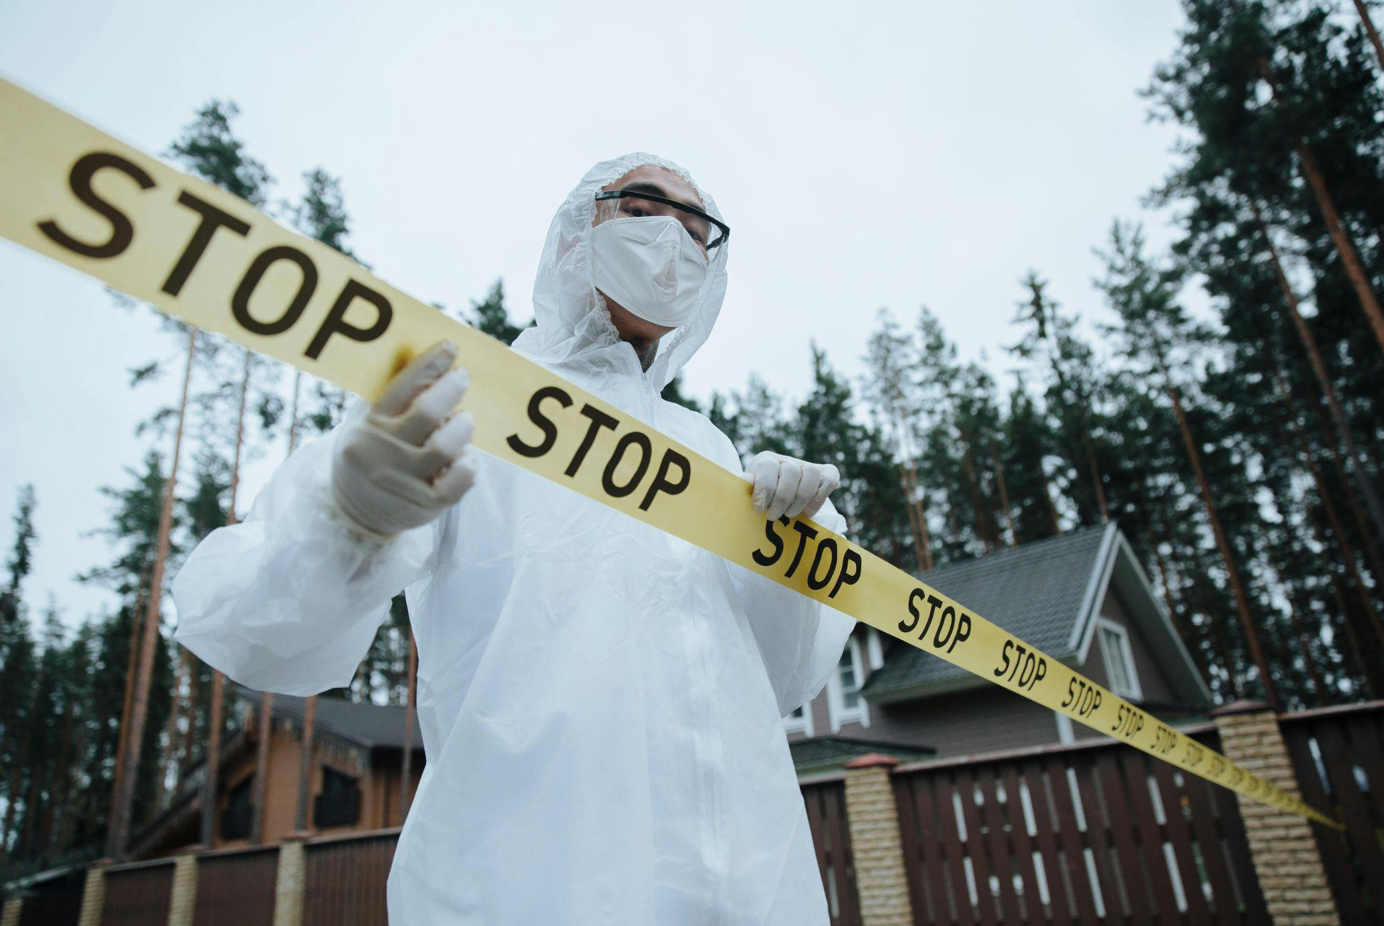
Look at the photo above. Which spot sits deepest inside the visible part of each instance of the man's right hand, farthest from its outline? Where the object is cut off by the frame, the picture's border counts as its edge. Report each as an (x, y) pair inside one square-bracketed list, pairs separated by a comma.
[(405, 462)]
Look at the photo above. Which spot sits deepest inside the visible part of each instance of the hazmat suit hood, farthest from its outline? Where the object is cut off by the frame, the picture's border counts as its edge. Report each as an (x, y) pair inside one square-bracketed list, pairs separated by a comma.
[(573, 329)]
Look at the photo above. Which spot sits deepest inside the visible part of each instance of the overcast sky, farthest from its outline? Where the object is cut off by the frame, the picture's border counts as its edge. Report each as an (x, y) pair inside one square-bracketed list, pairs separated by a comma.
[(865, 156)]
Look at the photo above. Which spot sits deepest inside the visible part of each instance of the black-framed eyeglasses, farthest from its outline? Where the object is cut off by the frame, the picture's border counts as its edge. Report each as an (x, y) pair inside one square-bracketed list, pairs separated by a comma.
[(637, 200)]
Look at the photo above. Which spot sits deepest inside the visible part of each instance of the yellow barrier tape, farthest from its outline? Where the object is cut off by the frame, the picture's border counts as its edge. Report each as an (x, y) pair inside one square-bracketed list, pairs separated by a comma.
[(73, 193)]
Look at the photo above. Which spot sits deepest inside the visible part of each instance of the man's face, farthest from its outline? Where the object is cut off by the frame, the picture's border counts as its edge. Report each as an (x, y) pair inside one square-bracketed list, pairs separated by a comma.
[(643, 335)]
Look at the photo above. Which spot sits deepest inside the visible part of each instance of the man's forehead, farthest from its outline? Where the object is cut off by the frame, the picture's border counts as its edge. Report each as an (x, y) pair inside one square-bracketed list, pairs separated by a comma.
[(651, 175)]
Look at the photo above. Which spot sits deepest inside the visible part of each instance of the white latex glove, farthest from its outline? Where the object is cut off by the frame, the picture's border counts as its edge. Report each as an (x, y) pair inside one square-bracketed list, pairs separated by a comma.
[(785, 486), (405, 462)]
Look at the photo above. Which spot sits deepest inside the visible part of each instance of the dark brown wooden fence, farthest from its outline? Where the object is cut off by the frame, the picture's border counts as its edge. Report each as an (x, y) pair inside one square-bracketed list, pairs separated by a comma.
[(1338, 755), (346, 878), (1091, 833), (236, 887), (138, 894), (56, 903), (826, 815), (1097, 833)]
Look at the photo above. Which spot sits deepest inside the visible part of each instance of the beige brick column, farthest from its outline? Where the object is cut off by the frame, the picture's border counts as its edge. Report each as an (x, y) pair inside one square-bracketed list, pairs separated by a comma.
[(291, 882), (183, 899), (9, 916), (873, 818), (93, 894), (1280, 843)]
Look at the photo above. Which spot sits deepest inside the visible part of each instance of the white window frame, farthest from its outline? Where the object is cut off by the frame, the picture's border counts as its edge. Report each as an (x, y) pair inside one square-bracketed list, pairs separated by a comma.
[(875, 649), (836, 707), (1065, 734), (1125, 654), (801, 724)]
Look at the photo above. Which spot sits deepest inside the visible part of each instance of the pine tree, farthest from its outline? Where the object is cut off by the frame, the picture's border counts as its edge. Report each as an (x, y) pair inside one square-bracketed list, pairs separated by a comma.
[(1027, 442), (826, 429), (891, 391), (210, 150), (1072, 391), (1155, 333), (135, 537), (20, 665), (320, 215), (490, 316)]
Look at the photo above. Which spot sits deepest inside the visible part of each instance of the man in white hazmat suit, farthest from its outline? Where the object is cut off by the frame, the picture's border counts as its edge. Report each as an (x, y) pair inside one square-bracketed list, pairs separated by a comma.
[(600, 703)]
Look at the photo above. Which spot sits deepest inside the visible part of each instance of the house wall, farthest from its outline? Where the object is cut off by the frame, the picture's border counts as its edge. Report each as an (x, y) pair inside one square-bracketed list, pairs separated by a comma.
[(1153, 681), (1152, 678), (281, 795), (989, 718), (386, 794), (961, 723), (380, 792)]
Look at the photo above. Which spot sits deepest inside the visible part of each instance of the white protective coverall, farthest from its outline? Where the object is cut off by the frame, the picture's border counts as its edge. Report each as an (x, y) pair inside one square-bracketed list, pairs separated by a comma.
[(600, 703)]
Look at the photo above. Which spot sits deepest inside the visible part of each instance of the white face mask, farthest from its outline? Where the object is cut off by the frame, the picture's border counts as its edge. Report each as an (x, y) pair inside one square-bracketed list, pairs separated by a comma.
[(650, 265)]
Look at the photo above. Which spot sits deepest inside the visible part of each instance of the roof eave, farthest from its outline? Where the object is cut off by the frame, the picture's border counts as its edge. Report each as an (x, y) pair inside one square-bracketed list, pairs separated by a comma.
[(941, 686)]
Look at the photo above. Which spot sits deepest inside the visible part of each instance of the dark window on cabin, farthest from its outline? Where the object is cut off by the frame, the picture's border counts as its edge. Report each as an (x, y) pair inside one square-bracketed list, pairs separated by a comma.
[(339, 802), (235, 819)]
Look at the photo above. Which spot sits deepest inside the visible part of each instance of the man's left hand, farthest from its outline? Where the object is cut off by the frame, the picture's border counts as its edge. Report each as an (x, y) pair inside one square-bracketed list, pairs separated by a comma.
[(785, 486)]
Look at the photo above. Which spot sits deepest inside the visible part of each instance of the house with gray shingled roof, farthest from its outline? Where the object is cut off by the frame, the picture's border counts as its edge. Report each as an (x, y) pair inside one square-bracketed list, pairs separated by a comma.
[(1081, 597), (355, 778)]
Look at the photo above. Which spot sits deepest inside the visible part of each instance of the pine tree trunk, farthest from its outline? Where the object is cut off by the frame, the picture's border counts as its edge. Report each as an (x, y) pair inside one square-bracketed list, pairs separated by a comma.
[(16, 782), (1370, 30), (1319, 688), (136, 623), (218, 681), (213, 760), (1353, 648), (1095, 472), (916, 499), (1367, 673), (1216, 629), (912, 517), (1155, 538), (1162, 568), (983, 525), (1333, 519), (1345, 249), (171, 738), (193, 713), (1223, 544), (56, 792), (1088, 449), (1047, 499), (1309, 343), (406, 776), (300, 816), (1338, 468), (69, 813), (264, 730), (31, 810), (1295, 608), (123, 802), (1004, 494)]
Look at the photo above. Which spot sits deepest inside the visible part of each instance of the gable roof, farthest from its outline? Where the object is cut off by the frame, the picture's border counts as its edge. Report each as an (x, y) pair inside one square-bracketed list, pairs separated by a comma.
[(1042, 592), (374, 726)]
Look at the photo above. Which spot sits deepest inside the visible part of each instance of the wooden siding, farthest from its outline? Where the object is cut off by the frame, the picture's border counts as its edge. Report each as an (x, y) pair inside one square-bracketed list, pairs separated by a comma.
[(987, 718)]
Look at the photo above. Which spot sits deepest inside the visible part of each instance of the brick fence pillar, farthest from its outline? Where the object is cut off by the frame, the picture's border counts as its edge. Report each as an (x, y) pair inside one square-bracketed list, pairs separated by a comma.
[(94, 894), (9, 916), (873, 818), (1281, 844), (183, 898), (291, 882)]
